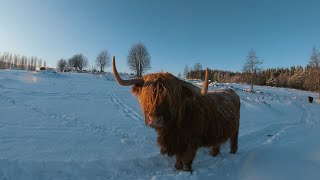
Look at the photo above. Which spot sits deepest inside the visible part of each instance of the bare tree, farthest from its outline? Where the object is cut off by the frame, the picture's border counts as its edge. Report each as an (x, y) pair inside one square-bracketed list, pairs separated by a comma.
[(186, 71), (314, 64), (62, 64), (35, 63), (179, 75), (72, 63), (252, 67), (139, 59), (9, 61), (1, 61), (31, 63), (5, 60), (40, 63), (83, 63), (23, 62), (103, 60), (197, 67), (15, 61), (78, 61), (315, 58)]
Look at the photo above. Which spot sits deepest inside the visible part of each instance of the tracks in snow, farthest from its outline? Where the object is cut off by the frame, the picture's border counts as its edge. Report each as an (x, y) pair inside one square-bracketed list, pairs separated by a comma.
[(306, 117), (248, 142), (125, 109), (66, 119), (128, 136), (63, 119), (279, 129)]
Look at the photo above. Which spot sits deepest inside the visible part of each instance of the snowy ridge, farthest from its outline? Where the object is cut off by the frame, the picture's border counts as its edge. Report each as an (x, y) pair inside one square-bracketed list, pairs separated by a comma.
[(80, 126)]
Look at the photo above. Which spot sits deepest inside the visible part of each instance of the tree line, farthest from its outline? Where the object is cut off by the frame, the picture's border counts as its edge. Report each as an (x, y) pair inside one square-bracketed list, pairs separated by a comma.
[(297, 77), (20, 62), (77, 63), (138, 61)]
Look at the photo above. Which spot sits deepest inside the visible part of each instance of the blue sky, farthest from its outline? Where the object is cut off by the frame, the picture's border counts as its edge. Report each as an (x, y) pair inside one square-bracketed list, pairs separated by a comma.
[(216, 33)]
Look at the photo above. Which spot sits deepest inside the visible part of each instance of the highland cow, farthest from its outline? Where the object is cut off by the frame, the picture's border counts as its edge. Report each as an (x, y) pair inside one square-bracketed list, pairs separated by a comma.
[(184, 116)]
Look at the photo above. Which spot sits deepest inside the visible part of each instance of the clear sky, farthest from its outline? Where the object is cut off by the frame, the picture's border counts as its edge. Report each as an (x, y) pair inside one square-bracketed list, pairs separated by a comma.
[(216, 33)]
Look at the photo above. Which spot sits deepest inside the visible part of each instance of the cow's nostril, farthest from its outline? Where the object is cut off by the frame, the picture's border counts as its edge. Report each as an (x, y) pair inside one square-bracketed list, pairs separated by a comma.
[(150, 119)]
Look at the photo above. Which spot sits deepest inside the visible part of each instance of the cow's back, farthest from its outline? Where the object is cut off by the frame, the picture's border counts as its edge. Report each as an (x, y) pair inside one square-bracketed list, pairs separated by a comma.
[(223, 114)]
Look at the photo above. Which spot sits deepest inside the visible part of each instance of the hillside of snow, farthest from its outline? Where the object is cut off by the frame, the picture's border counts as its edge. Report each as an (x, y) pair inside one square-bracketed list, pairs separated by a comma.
[(80, 126)]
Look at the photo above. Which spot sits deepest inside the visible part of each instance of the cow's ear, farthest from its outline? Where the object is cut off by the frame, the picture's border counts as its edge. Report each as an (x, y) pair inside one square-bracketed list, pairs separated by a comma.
[(136, 90)]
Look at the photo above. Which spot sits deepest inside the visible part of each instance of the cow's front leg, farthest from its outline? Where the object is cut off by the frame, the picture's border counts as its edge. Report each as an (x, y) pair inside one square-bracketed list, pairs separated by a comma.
[(184, 160), (179, 164), (187, 158), (163, 151)]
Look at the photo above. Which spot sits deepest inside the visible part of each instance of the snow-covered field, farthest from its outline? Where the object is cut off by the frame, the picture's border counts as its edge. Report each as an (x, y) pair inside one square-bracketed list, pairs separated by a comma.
[(77, 126)]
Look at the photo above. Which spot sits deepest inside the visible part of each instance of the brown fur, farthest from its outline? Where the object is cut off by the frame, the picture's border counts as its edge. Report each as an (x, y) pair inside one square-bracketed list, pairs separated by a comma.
[(186, 119)]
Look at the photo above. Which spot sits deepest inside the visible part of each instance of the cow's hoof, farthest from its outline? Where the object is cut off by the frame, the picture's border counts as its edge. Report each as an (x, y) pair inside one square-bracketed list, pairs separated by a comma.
[(163, 151), (187, 168), (232, 151), (214, 153), (178, 166)]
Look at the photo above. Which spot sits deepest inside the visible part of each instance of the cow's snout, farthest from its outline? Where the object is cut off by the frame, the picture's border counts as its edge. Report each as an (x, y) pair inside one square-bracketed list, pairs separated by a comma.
[(155, 122)]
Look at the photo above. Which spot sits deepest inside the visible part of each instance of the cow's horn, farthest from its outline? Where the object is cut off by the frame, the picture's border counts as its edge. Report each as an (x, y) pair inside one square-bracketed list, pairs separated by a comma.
[(121, 81), (205, 83)]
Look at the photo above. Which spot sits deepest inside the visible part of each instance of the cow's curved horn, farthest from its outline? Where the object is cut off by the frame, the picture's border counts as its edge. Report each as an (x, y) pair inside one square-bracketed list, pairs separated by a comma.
[(121, 81), (205, 83)]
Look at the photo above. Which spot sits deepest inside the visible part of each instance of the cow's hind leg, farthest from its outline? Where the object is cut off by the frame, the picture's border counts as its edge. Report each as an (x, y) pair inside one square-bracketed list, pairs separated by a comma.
[(215, 150), (234, 143)]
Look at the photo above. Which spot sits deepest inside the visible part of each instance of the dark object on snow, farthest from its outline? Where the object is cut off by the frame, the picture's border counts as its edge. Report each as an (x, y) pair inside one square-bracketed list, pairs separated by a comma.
[(42, 68), (184, 116), (310, 99)]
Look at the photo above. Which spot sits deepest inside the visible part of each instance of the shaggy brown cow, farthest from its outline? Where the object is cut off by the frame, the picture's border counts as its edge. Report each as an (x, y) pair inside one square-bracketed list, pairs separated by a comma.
[(185, 117)]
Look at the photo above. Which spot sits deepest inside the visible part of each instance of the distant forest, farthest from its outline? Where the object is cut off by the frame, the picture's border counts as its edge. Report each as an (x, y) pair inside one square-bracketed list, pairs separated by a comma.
[(20, 62), (294, 77), (297, 77)]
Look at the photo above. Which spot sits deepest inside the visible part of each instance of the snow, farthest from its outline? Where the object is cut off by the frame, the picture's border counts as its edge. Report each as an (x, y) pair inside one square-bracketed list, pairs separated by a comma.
[(80, 126)]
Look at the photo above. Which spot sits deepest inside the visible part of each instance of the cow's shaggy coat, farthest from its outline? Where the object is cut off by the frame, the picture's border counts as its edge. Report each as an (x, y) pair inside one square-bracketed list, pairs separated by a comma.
[(184, 118)]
